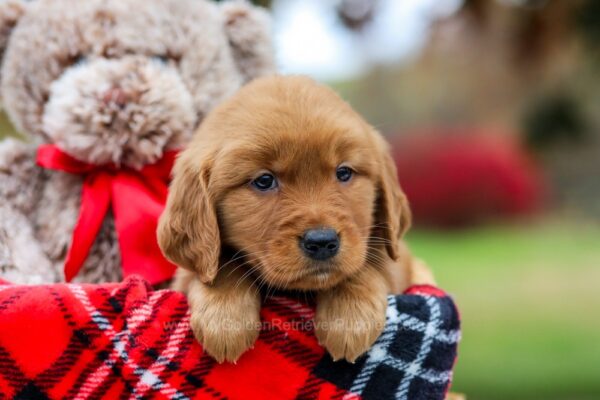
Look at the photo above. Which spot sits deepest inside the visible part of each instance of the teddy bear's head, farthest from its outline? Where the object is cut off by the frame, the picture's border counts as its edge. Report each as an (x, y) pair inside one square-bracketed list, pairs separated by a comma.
[(121, 81)]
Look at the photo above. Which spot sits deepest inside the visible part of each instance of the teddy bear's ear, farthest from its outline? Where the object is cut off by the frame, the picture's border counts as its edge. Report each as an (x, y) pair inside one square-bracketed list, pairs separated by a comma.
[(248, 29), (10, 12)]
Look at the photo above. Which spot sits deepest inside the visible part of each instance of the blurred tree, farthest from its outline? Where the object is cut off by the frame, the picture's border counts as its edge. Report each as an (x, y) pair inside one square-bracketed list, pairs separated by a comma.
[(553, 119), (535, 28), (588, 22)]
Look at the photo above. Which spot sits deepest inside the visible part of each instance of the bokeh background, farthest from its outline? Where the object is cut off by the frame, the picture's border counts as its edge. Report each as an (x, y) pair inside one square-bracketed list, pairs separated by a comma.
[(492, 108)]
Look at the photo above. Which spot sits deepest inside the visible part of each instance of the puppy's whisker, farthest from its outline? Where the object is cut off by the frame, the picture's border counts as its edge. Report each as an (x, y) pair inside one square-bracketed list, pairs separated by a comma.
[(256, 280), (262, 282), (376, 261), (253, 286), (239, 255), (375, 244), (244, 277), (245, 255), (374, 255), (374, 237), (248, 256), (276, 282), (234, 268), (374, 249), (234, 258), (246, 274), (380, 225), (377, 238)]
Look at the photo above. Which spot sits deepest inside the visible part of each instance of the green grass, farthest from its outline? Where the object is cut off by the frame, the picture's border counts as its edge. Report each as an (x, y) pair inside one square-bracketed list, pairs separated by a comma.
[(529, 298)]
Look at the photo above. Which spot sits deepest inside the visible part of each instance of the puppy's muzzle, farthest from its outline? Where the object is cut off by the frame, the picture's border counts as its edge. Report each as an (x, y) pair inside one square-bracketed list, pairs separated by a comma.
[(320, 244)]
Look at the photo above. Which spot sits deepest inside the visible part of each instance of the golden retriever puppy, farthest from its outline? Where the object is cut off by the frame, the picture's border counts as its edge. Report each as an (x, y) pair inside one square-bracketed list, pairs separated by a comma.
[(285, 186)]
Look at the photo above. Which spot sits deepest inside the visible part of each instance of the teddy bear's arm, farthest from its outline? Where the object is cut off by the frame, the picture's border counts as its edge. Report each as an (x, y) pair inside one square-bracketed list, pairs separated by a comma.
[(20, 177), (22, 260)]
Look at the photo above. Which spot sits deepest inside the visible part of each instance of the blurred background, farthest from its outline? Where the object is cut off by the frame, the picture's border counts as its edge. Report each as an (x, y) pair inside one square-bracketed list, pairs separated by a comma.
[(492, 108)]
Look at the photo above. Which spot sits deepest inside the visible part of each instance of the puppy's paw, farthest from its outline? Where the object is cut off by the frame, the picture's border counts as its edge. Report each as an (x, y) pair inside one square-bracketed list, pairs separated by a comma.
[(226, 332), (348, 328)]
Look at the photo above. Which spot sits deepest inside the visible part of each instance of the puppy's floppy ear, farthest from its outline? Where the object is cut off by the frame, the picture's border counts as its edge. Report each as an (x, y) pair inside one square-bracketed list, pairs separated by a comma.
[(188, 231), (393, 215), (248, 29)]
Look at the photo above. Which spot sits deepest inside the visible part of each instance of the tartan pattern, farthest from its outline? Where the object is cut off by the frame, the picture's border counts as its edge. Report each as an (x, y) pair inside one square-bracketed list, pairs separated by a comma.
[(414, 356), (114, 341)]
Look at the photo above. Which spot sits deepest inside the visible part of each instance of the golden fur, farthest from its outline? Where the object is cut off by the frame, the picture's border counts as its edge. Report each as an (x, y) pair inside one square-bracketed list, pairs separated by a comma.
[(230, 239)]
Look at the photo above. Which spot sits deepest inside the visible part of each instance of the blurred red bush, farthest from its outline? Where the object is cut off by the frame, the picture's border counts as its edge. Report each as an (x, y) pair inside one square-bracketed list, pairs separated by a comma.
[(460, 178)]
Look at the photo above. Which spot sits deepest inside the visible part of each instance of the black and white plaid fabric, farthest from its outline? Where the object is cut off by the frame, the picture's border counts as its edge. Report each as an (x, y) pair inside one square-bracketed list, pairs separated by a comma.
[(413, 358)]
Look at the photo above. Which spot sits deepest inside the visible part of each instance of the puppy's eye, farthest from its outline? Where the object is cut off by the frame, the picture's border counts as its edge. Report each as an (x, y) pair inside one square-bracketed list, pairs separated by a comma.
[(344, 174), (265, 182)]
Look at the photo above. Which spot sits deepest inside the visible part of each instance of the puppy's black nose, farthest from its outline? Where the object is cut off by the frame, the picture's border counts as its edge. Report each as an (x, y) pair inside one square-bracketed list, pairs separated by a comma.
[(320, 244)]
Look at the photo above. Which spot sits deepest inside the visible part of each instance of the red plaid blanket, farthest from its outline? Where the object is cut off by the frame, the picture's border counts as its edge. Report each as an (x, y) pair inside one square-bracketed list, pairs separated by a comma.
[(69, 341)]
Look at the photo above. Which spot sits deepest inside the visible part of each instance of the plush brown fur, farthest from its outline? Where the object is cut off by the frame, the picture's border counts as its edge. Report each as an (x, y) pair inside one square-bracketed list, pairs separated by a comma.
[(231, 239), (107, 81)]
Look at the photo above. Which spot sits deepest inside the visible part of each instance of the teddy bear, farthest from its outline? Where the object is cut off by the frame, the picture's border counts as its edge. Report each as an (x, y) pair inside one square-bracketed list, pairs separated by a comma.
[(106, 92)]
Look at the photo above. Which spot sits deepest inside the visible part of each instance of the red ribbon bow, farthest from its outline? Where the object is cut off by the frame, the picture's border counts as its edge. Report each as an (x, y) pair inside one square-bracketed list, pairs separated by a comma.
[(137, 198)]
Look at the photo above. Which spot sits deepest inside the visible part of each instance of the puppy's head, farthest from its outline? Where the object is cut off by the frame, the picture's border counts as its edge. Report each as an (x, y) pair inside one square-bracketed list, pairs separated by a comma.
[(287, 174)]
